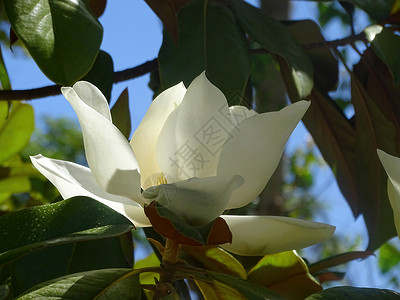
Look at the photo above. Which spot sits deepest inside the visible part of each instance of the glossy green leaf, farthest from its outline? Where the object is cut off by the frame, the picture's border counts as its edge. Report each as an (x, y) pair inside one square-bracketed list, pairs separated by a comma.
[(16, 128), (98, 284), (4, 79), (386, 46), (276, 38), (209, 39), (247, 288), (22, 230), (79, 256), (62, 36), (121, 114), (216, 259), (101, 74), (285, 273), (354, 293)]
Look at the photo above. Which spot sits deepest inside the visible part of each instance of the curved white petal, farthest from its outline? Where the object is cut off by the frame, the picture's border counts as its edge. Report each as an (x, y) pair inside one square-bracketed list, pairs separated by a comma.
[(262, 235), (255, 149), (194, 133), (144, 140), (392, 168), (240, 113), (108, 153), (75, 180), (197, 201)]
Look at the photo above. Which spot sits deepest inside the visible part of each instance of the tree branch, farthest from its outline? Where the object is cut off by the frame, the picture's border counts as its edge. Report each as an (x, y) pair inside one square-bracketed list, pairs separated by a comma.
[(152, 65), (52, 90)]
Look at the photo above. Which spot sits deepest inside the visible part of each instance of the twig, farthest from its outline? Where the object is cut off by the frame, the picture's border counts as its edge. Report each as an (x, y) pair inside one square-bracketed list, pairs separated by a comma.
[(152, 65), (52, 90)]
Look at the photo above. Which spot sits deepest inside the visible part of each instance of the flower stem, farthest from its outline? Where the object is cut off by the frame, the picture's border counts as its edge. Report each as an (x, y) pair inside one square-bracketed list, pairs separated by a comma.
[(167, 276)]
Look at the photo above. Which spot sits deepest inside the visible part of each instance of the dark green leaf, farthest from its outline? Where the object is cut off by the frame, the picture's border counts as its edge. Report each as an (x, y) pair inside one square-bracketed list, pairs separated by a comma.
[(98, 284), (386, 46), (101, 74), (121, 114), (275, 37), (354, 293), (53, 221), (16, 128), (60, 260), (4, 291), (209, 39), (62, 36)]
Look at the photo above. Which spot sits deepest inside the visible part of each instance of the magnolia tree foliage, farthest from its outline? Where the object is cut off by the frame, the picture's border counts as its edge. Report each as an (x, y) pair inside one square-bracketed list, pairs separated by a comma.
[(201, 149)]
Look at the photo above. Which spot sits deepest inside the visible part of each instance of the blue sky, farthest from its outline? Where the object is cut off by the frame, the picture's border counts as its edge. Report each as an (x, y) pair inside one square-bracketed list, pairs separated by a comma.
[(133, 35)]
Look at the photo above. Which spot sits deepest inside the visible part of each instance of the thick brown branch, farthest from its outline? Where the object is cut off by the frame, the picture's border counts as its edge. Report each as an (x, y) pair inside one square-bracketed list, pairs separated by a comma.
[(53, 90)]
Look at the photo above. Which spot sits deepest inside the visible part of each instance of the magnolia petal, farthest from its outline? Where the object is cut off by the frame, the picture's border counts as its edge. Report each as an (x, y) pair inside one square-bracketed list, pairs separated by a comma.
[(391, 165), (194, 133), (144, 140), (262, 235), (255, 149), (240, 113), (75, 180), (108, 153), (197, 201)]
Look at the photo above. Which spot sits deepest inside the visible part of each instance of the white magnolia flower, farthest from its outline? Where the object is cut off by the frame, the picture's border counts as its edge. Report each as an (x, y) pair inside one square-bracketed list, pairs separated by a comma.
[(196, 156), (391, 165)]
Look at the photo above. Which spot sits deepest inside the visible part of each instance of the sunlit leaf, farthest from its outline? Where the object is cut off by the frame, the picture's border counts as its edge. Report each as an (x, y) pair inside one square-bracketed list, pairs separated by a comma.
[(286, 274), (216, 259), (16, 128), (149, 261), (4, 79), (354, 293), (121, 114), (275, 37), (389, 257), (247, 288), (209, 39), (218, 291), (98, 284), (63, 36)]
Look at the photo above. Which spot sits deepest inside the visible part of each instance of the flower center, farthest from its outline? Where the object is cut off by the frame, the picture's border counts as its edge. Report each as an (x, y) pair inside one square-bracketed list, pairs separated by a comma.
[(161, 179)]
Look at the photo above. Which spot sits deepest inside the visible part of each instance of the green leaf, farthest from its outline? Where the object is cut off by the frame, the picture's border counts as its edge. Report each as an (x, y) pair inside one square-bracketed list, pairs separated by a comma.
[(386, 46), (30, 226), (121, 114), (275, 37), (376, 9), (325, 64), (101, 74), (98, 284), (99, 251), (62, 36), (247, 288), (209, 39), (217, 290), (389, 257), (216, 259), (4, 79), (16, 128), (15, 177), (150, 261), (285, 273), (354, 293)]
